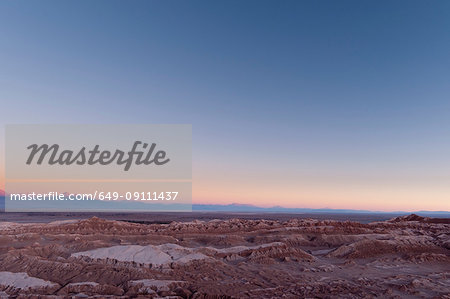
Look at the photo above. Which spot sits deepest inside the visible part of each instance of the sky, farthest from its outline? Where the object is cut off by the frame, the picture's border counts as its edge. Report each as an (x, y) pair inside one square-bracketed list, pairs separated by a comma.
[(315, 104)]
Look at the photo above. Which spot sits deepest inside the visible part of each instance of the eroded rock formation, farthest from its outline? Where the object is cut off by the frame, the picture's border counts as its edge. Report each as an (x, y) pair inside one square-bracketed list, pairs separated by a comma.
[(403, 257)]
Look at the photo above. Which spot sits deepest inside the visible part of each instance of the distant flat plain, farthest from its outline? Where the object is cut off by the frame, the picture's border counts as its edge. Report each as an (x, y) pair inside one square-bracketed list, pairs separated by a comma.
[(167, 217)]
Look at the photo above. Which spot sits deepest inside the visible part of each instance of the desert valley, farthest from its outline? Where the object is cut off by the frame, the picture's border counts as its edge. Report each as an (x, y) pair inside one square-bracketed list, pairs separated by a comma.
[(405, 257)]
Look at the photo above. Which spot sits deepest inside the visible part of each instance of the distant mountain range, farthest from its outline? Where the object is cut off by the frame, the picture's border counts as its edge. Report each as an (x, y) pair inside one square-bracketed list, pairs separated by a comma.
[(244, 208), (278, 209)]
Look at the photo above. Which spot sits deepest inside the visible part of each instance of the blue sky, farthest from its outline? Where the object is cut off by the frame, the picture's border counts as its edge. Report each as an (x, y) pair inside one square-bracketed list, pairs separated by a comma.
[(293, 98)]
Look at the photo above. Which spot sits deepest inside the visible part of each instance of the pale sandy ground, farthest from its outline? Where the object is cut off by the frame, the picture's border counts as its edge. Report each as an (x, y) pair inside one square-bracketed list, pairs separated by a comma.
[(408, 257)]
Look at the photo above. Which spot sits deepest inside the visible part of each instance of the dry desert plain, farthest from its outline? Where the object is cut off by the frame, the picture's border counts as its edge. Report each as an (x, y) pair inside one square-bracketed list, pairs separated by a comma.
[(296, 257)]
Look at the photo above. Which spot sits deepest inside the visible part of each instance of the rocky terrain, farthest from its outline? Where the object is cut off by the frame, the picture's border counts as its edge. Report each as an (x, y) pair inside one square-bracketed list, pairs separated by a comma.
[(406, 257)]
